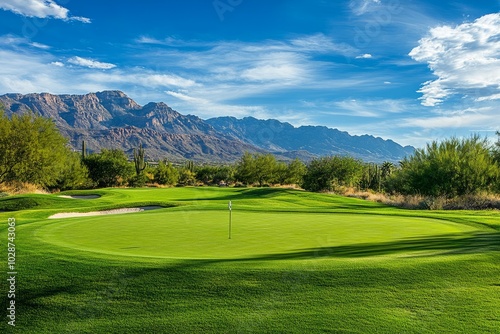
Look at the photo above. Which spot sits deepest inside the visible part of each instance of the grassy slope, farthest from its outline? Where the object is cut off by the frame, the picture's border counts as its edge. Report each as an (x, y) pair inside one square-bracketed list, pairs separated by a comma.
[(346, 279)]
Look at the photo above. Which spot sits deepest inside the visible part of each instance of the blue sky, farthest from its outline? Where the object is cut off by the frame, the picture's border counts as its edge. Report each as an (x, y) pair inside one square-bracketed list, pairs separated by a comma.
[(411, 71)]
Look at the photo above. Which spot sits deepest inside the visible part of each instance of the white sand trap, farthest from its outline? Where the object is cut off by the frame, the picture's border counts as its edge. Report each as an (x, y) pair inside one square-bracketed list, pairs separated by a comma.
[(81, 196), (105, 212)]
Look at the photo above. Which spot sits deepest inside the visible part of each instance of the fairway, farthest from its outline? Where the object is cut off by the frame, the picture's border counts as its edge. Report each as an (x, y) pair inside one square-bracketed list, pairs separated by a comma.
[(204, 234), (297, 262)]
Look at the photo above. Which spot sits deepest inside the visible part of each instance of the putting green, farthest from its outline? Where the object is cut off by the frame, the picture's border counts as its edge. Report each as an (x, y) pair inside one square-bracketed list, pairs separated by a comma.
[(204, 234)]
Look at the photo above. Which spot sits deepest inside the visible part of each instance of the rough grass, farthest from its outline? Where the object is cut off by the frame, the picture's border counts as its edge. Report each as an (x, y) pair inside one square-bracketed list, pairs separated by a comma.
[(19, 188), (373, 270)]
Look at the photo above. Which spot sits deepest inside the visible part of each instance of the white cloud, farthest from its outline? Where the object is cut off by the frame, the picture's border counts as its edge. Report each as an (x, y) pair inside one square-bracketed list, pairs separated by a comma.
[(171, 41), (364, 56), (253, 68), (148, 40), (489, 98), (90, 63), (40, 46), (40, 9), (282, 67), (11, 40), (187, 98), (211, 79), (207, 108), (369, 108), (41, 72), (28, 73), (361, 7), (167, 80), (320, 43), (464, 58), (139, 77), (457, 121)]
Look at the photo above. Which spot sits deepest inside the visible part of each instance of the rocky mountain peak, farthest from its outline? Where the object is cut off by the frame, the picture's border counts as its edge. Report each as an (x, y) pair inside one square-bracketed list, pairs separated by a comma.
[(116, 102)]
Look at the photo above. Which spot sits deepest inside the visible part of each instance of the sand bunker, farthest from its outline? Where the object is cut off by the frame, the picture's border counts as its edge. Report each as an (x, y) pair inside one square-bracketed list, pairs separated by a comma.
[(105, 212), (81, 196)]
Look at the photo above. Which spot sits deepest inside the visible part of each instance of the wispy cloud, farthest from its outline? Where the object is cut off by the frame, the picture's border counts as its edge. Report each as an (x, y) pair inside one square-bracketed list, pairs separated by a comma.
[(219, 79), (90, 63), (207, 108), (463, 58), (360, 7), (16, 41), (40, 9), (319, 43), (465, 119), (377, 108), (140, 77), (28, 73)]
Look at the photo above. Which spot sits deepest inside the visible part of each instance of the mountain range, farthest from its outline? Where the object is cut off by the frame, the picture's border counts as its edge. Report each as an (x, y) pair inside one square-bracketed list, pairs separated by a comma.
[(110, 119)]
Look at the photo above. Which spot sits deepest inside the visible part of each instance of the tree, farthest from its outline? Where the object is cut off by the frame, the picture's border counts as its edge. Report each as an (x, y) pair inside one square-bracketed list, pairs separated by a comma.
[(265, 168), (74, 175), (372, 177), (224, 174), (495, 150), (109, 168), (328, 173), (245, 169), (31, 149), (449, 168), (206, 174), (281, 173), (296, 171), (257, 168), (187, 177), (166, 174), (292, 173), (387, 169), (318, 176)]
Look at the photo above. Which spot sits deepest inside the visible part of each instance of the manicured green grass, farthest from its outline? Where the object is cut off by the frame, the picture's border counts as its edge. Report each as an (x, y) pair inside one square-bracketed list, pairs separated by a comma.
[(204, 234), (297, 262)]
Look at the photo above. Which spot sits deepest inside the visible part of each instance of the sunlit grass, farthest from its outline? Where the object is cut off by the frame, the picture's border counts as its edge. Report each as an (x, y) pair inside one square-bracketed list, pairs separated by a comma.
[(297, 262)]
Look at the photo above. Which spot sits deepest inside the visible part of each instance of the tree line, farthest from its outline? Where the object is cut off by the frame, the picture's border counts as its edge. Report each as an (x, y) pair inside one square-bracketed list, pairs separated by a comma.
[(32, 150)]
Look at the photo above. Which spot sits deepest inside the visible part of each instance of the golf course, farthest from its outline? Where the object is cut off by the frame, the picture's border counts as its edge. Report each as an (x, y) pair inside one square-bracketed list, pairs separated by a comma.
[(177, 260)]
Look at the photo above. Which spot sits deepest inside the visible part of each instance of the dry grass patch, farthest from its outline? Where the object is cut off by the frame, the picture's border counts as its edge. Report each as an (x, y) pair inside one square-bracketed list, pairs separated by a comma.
[(419, 202), (20, 188)]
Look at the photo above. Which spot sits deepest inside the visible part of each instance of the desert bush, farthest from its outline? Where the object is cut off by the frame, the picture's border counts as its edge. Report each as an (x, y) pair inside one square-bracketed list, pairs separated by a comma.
[(453, 167), (333, 173), (109, 168)]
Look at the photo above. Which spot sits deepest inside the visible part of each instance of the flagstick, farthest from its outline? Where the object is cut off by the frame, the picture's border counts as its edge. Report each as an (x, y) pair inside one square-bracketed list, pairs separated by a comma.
[(230, 218)]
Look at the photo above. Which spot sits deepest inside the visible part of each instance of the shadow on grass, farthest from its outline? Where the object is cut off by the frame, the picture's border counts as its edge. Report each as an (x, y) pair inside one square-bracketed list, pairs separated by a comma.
[(244, 193), (450, 244), (446, 244), (286, 195), (88, 291)]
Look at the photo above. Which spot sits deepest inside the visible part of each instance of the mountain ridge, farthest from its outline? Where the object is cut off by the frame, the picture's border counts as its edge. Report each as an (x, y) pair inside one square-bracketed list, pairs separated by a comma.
[(319, 140), (111, 119)]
